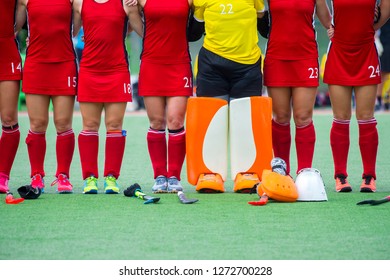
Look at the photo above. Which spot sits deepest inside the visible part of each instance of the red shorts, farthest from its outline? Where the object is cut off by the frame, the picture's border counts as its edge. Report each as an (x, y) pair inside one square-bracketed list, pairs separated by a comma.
[(291, 73), (104, 87), (50, 78), (165, 79), (352, 65), (10, 62)]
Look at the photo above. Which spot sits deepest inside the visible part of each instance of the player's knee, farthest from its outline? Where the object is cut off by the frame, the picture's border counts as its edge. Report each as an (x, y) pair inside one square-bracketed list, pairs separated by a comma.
[(91, 125), (63, 124), (158, 123), (303, 120), (38, 125), (175, 123), (9, 120), (114, 125), (282, 118), (364, 116)]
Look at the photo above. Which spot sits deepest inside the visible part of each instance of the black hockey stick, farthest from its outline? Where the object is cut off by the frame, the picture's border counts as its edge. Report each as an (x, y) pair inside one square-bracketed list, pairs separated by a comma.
[(135, 191), (374, 202)]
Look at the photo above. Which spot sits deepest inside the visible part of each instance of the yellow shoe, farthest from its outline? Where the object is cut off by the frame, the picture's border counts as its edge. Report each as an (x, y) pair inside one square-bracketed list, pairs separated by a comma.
[(244, 182), (210, 183)]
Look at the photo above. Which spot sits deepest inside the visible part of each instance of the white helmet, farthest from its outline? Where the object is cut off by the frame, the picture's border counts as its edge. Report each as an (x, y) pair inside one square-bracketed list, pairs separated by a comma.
[(310, 185)]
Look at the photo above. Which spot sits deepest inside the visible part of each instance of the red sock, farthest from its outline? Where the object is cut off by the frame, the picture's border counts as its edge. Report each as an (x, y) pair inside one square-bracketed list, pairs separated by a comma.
[(157, 146), (281, 142), (368, 143), (305, 138), (339, 141), (36, 146), (9, 144), (115, 148), (64, 151), (89, 149), (176, 151)]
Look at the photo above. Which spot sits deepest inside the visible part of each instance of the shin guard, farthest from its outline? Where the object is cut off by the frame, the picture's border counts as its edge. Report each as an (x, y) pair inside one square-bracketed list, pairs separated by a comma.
[(250, 132), (206, 139)]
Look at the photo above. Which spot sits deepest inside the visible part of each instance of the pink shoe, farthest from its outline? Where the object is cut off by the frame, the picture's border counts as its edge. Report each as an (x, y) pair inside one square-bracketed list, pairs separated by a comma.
[(3, 184), (38, 182), (63, 184)]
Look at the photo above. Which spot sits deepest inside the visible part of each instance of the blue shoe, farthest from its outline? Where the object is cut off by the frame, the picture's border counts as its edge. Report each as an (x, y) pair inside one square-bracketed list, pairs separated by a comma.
[(90, 185), (174, 185), (110, 185), (160, 185)]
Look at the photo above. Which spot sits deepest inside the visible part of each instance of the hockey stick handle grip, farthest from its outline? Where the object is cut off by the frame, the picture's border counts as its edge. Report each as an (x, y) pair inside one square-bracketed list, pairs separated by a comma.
[(139, 194)]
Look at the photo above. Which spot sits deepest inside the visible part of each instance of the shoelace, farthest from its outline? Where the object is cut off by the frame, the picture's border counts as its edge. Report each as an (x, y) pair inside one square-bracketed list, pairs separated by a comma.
[(160, 180), (342, 180), (91, 180), (173, 181), (367, 180), (36, 179), (111, 180), (63, 181), (54, 182)]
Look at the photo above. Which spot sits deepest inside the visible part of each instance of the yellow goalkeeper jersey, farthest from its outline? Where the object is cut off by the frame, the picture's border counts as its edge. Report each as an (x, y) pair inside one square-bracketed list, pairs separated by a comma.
[(231, 28)]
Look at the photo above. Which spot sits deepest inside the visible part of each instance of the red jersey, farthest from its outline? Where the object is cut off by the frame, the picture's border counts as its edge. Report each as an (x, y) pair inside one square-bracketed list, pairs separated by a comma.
[(165, 35), (292, 34), (352, 56), (7, 16), (165, 51), (10, 62), (353, 21), (105, 27), (48, 20)]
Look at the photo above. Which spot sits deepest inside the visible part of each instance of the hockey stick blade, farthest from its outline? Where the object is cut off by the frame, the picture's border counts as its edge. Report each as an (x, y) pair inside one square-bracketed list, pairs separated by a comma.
[(263, 201), (150, 199), (183, 199), (374, 202), (9, 199)]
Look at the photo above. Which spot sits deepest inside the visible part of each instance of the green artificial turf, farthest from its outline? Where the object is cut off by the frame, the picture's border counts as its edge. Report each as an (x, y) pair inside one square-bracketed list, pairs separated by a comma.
[(218, 227)]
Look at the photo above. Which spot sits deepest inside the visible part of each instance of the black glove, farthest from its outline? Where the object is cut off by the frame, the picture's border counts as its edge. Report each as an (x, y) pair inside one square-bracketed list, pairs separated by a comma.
[(263, 25)]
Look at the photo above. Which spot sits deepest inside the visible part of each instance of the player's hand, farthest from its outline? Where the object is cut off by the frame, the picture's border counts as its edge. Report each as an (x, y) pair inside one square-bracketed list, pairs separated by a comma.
[(131, 3), (330, 32)]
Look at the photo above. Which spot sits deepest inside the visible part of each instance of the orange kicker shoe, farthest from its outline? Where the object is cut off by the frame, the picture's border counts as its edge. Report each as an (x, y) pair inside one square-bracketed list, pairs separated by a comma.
[(244, 182), (368, 184), (210, 183), (342, 184)]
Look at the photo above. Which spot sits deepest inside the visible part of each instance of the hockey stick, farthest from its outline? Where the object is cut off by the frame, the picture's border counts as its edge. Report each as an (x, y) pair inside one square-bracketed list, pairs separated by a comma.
[(374, 202), (262, 201), (183, 199), (9, 199), (135, 191)]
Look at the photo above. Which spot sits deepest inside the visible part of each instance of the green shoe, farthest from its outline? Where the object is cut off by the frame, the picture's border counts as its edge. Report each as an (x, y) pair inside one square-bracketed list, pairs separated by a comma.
[(90, 185), (110, 185)]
